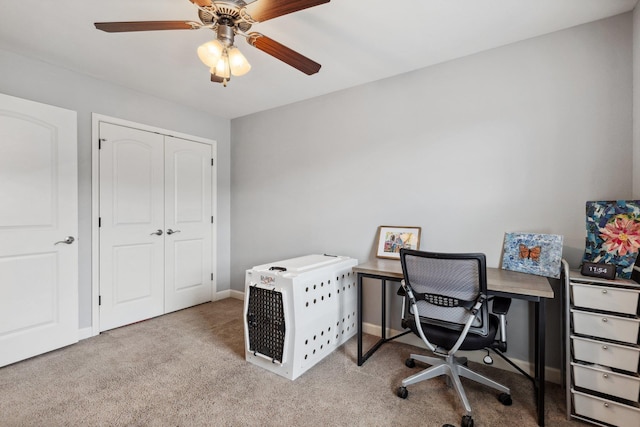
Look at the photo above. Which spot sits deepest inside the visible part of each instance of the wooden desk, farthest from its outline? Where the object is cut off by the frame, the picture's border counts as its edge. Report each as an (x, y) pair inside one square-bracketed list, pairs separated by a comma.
[(500, 282)]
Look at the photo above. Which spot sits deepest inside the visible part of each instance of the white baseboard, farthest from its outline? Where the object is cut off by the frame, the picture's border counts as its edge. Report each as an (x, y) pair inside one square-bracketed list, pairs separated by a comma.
[(220, 295), (551, 374), (229, 293), (237, 295)]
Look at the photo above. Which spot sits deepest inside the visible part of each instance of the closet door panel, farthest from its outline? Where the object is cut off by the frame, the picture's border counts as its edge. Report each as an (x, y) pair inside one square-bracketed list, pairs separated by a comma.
[(188, 223), (132, 225)]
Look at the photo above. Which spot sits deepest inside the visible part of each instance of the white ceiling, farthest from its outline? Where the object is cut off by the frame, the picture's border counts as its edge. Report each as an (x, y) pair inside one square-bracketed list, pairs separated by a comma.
[(356, 41)]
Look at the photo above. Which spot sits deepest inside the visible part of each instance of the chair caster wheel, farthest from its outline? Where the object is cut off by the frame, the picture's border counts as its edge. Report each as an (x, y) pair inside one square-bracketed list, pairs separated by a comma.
[(402, 392), (467, 421), (505, 399), (410, 363), (488, 360)]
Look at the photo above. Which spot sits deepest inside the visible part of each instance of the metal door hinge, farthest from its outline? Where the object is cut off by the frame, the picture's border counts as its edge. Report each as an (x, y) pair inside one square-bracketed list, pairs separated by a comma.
[(100, 140), (99, 222), (211, 162), (211, 276), (211, 219), (99, 299)]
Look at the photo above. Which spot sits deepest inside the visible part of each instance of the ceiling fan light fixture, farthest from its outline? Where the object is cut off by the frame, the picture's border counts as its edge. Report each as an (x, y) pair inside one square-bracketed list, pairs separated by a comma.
[(222, 68), (237, 62), (210, 52)]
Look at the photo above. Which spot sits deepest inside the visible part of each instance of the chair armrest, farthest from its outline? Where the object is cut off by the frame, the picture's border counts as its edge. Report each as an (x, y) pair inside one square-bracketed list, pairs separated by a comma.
[(501, 305), (500, 308)]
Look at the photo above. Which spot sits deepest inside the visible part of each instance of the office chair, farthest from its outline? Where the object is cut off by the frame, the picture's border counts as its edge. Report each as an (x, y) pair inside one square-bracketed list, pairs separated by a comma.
[(447, 308)]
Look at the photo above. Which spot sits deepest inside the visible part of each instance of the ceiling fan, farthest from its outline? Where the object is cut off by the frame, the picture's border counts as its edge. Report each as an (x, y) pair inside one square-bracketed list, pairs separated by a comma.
[(228, 18)]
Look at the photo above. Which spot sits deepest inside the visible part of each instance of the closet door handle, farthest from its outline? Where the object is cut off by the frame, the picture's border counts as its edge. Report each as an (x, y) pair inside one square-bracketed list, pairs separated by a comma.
[(69, 240), (157, 233), (170, 231)]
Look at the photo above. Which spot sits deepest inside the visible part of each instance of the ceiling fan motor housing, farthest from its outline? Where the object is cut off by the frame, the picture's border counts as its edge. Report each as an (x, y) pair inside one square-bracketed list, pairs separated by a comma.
[(225, 13), (226, 33)]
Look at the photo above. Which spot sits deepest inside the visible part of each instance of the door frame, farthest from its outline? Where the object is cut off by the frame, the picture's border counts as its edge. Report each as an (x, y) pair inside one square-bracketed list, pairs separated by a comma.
[(96, 119)]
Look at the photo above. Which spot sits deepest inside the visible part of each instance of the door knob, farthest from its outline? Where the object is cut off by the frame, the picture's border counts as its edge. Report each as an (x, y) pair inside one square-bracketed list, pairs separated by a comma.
[(170, 231), (69, 240), (157, 233)]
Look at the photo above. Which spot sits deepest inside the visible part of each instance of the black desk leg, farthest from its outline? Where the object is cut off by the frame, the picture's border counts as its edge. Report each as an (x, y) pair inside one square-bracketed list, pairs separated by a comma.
[(540, 359), (384, 310), (363, 357), (360, 358)]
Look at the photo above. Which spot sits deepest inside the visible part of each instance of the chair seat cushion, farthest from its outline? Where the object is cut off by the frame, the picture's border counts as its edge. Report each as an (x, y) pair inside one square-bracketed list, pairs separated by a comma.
[(446, 338)]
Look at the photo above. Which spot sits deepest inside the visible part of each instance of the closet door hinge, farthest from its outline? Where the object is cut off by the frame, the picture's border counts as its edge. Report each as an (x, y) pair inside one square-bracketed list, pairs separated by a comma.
[(99, 222), (211, 219), (211, 276), (100, 141), (211, 162), (99, 299)]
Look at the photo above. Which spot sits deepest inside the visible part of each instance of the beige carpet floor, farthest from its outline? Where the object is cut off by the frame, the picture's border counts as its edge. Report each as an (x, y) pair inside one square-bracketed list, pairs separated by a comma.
[(188, 369)]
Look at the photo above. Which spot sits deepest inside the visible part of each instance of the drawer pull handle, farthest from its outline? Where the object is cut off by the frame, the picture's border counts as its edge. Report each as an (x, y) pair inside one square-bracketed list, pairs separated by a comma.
[(604, 319), (605, 376), (604, 291), (606, 405), (604, 347)]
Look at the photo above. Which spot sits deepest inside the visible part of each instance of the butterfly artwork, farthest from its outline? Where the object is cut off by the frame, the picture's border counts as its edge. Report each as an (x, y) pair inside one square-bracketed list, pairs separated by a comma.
[(531, 253), (539, 254)]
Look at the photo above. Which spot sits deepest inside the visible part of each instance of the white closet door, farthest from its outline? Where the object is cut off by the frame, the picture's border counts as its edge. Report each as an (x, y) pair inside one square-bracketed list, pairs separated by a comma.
[(132, 225), (39, 207), (187, 223)]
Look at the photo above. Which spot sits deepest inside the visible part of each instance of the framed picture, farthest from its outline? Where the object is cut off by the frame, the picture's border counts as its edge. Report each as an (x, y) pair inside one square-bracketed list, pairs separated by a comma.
[(539, 254), (613, 234), (393, 238)]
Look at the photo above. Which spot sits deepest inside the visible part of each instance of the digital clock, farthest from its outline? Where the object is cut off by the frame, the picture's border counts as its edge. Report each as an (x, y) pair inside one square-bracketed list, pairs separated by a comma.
[(602, 270)]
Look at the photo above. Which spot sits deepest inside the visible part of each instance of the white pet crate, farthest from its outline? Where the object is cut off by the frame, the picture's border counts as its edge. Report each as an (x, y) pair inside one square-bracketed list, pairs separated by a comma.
[(297, 311)]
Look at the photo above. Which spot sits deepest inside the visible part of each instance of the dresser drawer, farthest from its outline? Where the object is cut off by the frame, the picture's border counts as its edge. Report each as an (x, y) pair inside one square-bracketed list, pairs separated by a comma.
[(605, 410), (605, 298), (605, 381), (607, 354), (606, 326)]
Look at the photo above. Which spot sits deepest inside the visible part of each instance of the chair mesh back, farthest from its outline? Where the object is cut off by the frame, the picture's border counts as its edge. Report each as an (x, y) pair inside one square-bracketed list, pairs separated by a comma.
[(458, 277)]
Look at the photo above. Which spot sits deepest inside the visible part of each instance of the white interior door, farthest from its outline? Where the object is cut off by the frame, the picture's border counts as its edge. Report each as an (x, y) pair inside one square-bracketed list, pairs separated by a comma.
[(38, 208), (188, 223), (131, 225)]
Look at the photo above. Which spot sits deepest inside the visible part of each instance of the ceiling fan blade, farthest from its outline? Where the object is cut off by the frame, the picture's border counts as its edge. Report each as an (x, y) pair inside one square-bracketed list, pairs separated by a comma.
[(119, 27), (262, 10), (283, 53)]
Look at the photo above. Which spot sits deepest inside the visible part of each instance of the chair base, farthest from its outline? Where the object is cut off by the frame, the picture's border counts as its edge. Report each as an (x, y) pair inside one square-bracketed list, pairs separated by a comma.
[(452, 367)]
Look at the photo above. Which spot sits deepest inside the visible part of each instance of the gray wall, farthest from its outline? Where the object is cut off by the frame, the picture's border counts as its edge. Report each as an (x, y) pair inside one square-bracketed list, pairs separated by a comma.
[(38, 81), (515, 139), (636, 103)]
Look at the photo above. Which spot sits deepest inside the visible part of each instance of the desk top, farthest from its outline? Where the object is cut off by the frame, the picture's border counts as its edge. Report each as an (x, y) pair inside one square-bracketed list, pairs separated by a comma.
[(498, 280)]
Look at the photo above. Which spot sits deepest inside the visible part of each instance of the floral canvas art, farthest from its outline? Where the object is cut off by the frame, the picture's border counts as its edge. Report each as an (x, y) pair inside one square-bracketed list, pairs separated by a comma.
[(539, 254), (613, 234)]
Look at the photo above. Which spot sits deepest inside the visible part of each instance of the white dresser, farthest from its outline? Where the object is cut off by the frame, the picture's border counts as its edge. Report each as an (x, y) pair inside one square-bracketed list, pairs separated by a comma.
[(602, 349)]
